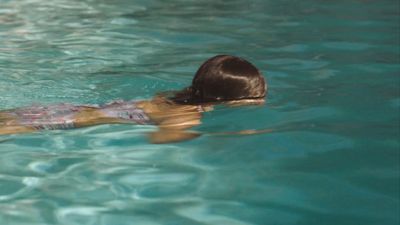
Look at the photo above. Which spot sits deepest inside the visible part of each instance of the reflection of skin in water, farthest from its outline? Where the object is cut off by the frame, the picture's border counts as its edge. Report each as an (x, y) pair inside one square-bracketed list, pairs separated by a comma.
[(221, 79)]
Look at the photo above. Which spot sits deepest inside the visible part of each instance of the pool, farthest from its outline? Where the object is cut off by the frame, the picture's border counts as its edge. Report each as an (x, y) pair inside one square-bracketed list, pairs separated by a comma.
[(333, 107)]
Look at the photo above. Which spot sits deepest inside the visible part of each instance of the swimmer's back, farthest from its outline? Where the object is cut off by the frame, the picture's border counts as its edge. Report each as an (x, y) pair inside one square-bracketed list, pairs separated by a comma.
[(67, 116)]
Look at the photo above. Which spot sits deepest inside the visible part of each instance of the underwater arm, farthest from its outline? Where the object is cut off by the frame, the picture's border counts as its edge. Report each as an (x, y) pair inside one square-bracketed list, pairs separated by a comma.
[(242, 132), (175, 129), (164, 136)]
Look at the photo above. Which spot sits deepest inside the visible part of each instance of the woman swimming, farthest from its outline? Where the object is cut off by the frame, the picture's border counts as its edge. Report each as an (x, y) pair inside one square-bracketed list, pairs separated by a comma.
[(221, 79)]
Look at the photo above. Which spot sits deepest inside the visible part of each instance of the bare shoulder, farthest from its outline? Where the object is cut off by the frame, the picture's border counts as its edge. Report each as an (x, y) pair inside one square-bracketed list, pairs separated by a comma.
[(168, 114), (160, 105)]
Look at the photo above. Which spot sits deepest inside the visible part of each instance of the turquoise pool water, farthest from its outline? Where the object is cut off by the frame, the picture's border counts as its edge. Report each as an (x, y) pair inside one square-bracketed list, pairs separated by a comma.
[(333, 105)]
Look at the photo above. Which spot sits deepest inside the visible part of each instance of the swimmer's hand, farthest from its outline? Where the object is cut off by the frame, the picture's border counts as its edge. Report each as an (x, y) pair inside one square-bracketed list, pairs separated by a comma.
[(164, 136)]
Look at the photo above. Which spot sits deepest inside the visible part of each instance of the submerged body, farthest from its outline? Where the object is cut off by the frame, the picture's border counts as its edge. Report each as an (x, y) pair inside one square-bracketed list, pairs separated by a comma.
[(65, 116), (172, 119)]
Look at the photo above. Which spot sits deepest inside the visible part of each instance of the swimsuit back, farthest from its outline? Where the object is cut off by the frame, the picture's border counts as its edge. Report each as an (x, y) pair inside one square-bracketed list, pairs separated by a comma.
[(61, 116), (127, 111), (50, 117)]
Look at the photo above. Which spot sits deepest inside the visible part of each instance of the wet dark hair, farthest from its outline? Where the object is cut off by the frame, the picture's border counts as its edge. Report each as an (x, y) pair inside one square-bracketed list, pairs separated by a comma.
[(223, 78)]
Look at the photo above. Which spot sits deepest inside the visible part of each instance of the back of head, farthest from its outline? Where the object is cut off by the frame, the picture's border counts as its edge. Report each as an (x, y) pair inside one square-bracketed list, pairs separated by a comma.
[(224, 78)]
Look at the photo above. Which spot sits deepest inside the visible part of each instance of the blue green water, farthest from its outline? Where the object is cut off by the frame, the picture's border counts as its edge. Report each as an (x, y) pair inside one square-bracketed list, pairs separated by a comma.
[(333, 105)]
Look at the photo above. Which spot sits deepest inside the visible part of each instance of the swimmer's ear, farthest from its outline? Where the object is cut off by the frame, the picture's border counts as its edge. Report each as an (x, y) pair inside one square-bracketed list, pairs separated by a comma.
[(164, 136)]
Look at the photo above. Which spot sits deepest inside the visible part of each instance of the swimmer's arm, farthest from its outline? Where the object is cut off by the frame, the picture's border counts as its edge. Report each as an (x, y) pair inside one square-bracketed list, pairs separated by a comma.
[(163, 136), (170, 129), (242, 132), (175, 129), (172, 120)]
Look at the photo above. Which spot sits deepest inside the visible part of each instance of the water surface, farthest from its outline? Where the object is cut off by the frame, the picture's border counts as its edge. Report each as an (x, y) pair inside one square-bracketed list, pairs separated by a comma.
[(333, 105)]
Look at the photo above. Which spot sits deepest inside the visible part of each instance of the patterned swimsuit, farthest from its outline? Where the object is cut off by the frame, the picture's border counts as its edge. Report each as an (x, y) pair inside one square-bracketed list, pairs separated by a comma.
[(61, 116)]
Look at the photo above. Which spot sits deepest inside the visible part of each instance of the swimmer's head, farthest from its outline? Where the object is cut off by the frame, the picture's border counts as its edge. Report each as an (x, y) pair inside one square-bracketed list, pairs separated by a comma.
[(224, 78)]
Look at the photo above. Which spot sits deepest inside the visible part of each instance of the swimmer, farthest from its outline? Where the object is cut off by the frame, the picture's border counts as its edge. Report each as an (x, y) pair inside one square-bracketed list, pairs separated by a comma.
[(221, 79)]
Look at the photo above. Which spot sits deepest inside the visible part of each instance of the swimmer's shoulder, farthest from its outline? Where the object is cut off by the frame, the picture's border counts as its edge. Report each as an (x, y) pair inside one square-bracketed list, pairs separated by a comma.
[(160, 109), (162, 104)]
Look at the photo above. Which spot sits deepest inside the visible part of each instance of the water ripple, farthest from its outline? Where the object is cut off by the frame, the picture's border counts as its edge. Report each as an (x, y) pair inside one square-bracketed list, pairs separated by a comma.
[(332, 108)]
